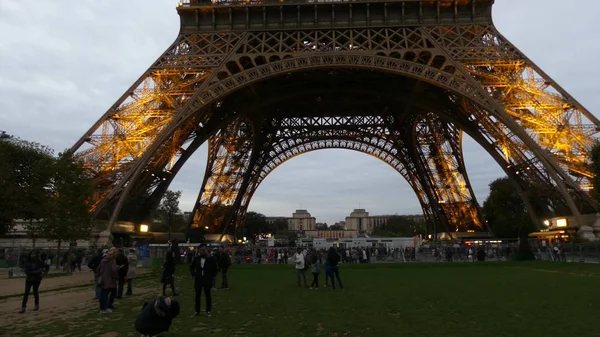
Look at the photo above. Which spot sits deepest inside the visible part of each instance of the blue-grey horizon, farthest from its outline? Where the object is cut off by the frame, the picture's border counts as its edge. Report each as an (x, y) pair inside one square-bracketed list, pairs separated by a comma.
[(64, 63)]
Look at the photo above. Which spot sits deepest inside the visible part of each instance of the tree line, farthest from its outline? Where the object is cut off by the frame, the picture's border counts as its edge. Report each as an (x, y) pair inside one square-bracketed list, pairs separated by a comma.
[(50, 193)]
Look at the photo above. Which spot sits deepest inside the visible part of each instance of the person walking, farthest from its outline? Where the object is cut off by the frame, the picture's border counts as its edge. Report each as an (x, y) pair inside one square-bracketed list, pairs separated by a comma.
[(300, 263), (203, 270), (35, 269), (123, 264), (333, 260), (108, 274), (224, 264), (132, 262)]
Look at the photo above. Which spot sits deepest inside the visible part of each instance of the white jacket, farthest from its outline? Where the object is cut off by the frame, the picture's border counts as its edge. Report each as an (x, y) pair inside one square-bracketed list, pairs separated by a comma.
[(299, 260), (132, 259)]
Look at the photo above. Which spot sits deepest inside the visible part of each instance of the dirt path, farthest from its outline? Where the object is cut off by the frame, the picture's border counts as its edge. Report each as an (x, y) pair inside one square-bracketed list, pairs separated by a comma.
[(16, 286), (65, 305)]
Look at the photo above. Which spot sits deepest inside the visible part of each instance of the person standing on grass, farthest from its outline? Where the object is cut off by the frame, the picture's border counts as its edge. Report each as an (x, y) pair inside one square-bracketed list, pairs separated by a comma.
[(93, 265), (35, 269), (132, 263), (315, 269), (333, 259), (123, 264), (108, 274), (300, 263), (328, 273), (203, 270), (168, 273), (224, 264)]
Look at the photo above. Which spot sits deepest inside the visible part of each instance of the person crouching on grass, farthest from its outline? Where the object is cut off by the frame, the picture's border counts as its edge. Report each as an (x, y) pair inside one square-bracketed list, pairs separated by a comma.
[(156, 317)]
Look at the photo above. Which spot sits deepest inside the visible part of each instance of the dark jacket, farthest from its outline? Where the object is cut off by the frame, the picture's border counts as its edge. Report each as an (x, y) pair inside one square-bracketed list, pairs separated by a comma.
[(155, 317), (204, 274), (224, 260), (168, 269), (108, 273), (95, 262), (123, 264), (333, 259), (34, 270)]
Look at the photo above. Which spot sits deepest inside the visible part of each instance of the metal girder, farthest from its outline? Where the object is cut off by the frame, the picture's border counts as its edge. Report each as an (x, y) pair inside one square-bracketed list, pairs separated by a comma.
[(534, 127)]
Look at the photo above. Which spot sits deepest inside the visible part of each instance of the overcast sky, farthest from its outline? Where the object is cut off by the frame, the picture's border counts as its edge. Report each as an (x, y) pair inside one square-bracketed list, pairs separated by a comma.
[(64, 63)]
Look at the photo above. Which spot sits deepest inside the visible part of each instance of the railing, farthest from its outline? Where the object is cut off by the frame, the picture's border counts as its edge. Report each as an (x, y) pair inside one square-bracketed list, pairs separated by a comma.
[(194, 3)]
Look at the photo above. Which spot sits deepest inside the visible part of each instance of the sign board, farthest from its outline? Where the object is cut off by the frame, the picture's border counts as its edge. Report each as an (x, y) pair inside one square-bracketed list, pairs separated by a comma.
[(144, 251)]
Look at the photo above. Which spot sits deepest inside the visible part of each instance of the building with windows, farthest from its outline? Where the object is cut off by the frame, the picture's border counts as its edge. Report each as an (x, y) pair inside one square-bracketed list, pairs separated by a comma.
[(301, 220), (330, 234), (360, 220)]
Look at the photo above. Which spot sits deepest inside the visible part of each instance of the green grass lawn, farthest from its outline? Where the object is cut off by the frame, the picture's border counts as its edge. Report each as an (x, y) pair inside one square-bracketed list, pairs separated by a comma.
[(459, 299)]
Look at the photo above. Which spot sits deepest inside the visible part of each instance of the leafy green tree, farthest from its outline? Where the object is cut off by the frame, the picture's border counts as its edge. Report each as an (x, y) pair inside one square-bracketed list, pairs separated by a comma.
[(336, 227), (401, 226), (505, 211), (321, 226), (68, 218), (280, 225), (169, 210), (256, 224), (24, 176)]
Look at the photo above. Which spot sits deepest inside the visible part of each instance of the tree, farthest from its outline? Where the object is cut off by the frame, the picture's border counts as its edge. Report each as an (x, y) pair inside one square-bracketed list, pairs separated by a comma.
[(505, 211), (336, 227), (169, 209), (256, 224), (280, 225), (24, 176), (595, 157), (68, 218), (321, 226)]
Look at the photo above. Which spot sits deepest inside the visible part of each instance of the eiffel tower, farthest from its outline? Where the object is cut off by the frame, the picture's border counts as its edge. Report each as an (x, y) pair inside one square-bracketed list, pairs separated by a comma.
[(263, 81)]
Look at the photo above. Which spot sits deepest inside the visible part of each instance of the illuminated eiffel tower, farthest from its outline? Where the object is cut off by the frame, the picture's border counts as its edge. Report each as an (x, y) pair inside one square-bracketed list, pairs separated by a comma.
[(400, 80)]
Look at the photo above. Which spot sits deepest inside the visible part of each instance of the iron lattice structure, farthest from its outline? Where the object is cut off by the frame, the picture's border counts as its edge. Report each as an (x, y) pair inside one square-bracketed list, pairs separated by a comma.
[(401, 80)]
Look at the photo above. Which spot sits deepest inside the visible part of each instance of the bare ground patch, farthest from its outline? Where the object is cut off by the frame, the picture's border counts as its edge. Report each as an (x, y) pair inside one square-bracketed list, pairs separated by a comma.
[(63, 308)]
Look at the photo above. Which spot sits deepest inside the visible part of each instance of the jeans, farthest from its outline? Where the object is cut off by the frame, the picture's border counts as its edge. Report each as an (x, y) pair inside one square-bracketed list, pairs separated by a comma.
[(120, 286), (336, 271), (301, 273), (97, 289), (199, 286), (36, 293), (107, 298), (315, 282)]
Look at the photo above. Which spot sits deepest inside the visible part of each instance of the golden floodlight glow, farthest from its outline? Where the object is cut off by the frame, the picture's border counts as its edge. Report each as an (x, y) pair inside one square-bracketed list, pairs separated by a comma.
[(144, 228), (561, 223)]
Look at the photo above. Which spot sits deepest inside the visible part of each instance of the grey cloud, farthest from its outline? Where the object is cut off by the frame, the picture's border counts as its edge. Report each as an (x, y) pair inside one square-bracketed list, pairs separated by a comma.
[(64, 63)]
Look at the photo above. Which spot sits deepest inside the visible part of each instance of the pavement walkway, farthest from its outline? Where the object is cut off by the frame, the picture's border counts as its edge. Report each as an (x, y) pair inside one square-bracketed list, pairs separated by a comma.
[(16, 286)]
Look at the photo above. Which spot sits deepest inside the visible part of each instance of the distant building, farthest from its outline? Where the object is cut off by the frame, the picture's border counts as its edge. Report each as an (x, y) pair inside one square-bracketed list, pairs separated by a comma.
[(301, 220), (361, 221), (330, 234), (274, 219)]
